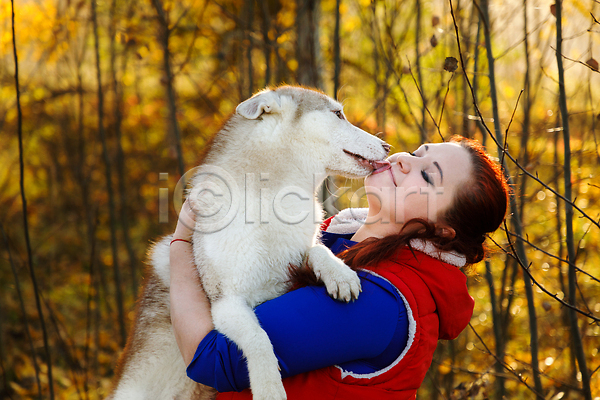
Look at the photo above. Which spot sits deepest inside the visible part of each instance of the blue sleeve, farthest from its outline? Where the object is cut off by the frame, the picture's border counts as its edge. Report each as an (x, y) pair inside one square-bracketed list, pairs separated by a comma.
[(308, 330)]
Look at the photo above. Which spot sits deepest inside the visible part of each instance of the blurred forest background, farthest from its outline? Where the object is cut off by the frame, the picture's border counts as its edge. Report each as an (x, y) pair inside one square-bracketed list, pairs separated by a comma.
[(119, 97)]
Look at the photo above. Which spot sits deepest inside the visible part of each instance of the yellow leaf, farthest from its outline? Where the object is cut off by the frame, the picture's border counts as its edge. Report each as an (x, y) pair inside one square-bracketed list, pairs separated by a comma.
[(444, 368)]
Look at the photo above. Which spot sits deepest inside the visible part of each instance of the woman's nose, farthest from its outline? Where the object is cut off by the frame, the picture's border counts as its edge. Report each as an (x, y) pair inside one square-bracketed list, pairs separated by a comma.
[(404, 163)]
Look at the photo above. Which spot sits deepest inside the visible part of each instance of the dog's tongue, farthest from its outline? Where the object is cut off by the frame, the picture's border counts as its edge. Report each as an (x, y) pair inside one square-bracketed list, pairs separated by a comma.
[(380, 166)]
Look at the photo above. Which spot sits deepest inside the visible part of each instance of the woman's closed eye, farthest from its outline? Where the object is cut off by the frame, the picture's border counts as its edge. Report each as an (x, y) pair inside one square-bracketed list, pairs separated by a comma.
[(427, 178)]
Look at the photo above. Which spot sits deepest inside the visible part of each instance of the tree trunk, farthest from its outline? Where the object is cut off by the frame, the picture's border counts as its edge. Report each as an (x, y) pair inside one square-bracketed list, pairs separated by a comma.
[(579, 351), (419, 74), (515, 217), (377, 98), (466, 98), (32, 274), (308, 55), (524, 157), (336, 51), (109, 188), (497, 327), (479, 122), (266, 27), (165, 32), (121, 178), (248, 18), (308, 51)]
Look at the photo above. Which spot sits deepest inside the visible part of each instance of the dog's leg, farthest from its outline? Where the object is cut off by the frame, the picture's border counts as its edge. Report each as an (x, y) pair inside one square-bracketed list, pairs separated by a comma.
[(235, 319), (151, 366), (341, 282)]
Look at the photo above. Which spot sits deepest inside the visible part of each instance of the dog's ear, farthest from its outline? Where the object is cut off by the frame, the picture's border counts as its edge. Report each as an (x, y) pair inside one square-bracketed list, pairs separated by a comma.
[(263, 102)]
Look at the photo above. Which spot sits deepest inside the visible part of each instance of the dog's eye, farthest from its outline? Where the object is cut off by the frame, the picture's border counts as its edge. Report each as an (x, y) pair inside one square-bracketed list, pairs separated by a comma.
[(339, 114)]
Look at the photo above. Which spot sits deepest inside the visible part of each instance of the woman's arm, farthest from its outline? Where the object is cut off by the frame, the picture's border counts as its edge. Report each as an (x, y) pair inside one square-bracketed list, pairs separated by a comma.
[(190, 308), (309, 330)]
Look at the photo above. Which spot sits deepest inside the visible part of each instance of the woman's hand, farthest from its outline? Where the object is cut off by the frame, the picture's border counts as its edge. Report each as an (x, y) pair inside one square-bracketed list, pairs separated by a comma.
[(186, 222), (190, 308)]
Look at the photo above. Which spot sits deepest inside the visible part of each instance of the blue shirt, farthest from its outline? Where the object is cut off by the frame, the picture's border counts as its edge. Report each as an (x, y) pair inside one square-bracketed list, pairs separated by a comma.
[(310, 330)]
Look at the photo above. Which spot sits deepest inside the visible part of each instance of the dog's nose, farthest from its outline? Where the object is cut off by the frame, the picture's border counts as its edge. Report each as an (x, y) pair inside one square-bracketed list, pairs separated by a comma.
[(386, 147)]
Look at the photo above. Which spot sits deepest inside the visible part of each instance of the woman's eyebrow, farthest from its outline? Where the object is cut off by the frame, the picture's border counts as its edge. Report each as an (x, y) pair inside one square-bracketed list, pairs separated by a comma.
[(439, 169)]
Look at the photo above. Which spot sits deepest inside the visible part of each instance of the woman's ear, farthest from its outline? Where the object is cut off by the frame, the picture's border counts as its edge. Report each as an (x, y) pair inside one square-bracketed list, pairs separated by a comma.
[(445, 232)]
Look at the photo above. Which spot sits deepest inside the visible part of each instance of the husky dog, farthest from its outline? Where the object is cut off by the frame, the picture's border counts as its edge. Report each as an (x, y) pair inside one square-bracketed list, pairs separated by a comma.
[(256, 215)]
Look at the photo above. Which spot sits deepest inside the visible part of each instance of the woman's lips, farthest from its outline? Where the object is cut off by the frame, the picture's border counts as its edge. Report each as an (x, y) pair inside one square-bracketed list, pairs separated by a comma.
[(393, 177), (382, 166)]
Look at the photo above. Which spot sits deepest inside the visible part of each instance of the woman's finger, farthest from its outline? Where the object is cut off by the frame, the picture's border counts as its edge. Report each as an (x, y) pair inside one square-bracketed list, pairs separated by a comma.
[(186, 221)]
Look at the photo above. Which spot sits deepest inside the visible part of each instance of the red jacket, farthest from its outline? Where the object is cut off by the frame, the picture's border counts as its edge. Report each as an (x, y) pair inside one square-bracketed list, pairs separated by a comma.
[(438, 306)]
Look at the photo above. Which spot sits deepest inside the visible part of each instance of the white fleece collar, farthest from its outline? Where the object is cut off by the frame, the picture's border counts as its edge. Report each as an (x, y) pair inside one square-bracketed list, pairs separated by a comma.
[(350, 219)]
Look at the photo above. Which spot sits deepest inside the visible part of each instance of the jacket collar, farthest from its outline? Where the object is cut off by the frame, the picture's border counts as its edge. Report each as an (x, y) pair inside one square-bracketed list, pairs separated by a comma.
[(350, 219)]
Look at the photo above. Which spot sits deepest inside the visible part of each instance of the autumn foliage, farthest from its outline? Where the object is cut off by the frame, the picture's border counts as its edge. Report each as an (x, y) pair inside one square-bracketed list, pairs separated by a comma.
[(170, 74)]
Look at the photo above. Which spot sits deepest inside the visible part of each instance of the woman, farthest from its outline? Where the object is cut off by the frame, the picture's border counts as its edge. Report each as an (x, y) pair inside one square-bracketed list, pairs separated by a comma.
[(428, 214)]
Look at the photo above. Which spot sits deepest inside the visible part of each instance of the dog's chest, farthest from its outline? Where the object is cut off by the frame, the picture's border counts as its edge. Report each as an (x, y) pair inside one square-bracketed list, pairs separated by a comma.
[(252, 261)]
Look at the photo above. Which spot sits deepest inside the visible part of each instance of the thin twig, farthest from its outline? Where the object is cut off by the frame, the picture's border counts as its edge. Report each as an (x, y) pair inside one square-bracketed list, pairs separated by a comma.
[(423, 97), (506, 366), (510, 48), (444, 103), (577, 61), (24, 208), (552, 255), (513, 254), (65, 346), (505, 146)]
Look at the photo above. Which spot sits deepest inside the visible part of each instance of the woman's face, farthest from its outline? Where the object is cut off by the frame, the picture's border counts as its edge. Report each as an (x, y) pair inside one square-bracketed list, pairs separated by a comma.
[(418, 185)]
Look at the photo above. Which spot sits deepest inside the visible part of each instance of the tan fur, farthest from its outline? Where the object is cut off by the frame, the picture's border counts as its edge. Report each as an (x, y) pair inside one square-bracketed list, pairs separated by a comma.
[(152, 315)]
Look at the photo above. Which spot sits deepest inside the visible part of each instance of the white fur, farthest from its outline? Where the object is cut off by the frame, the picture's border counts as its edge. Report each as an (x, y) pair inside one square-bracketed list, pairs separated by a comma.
[(266, 164)]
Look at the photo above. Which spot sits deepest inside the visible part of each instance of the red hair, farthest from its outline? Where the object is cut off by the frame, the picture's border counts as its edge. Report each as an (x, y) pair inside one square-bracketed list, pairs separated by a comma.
[(478, 208)]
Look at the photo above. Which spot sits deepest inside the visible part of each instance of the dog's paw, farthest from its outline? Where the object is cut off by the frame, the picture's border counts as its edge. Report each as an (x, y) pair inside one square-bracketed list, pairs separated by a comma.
[(269, 392), (265, 383), (341, 282), (265, 374)]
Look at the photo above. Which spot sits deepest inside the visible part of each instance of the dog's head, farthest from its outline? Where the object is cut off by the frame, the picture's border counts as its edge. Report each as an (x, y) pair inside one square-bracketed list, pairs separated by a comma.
[(313, 126)]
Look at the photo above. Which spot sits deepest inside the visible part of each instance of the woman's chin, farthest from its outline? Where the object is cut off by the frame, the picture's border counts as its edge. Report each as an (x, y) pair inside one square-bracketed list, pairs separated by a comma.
[(380, 180)]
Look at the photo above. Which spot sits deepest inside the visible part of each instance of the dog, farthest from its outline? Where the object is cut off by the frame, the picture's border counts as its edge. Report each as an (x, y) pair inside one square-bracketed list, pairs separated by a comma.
[(257, 214)]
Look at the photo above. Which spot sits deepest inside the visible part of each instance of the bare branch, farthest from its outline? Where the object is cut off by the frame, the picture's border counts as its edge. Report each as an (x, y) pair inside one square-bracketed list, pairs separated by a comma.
[(444, 102), (510, 48), (513, 254), (501, 362), (577, 61), (423, 97), (24, 208), (552, 255), (508, 127)]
